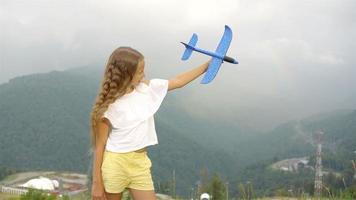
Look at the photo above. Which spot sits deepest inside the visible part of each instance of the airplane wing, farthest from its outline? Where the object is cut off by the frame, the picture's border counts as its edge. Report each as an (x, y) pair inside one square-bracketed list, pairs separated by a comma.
[(213, 69), (215, 63), (224, 42)]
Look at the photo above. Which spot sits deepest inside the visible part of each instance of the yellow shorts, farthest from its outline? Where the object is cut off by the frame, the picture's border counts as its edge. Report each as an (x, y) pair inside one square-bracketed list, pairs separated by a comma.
[(126, 170)]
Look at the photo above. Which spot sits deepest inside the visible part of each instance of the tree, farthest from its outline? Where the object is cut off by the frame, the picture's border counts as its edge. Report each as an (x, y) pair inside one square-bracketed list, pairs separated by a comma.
[(217, 188), (35, 194), (204, 181)]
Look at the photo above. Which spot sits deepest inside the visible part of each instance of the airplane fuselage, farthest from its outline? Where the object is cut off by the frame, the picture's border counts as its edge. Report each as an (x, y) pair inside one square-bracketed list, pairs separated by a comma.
[(213, 54)]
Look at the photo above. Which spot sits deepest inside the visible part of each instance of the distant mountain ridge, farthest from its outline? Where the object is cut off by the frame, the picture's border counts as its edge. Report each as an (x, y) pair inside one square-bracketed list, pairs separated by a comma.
[(45, 125)]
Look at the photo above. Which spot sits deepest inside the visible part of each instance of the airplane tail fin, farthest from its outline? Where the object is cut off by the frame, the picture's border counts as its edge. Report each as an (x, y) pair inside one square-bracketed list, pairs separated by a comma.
[(189, 47)]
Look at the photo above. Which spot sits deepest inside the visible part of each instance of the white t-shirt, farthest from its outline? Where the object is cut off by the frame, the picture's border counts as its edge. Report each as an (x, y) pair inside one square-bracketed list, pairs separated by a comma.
[(131, 117)]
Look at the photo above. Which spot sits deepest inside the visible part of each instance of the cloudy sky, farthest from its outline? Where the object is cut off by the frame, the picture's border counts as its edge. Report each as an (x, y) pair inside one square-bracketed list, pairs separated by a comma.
[(297, 57)]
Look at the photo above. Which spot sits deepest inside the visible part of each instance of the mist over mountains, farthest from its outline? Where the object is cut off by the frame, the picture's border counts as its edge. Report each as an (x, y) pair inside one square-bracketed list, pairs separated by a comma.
[(45, 126)]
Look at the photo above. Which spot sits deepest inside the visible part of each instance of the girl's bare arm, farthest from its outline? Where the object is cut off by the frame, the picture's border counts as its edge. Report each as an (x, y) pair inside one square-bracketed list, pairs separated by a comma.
[(101, 138), (184, 78)]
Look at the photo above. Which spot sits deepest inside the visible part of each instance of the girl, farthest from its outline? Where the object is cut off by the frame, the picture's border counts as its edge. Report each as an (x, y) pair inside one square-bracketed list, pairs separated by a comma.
[(122, 125)]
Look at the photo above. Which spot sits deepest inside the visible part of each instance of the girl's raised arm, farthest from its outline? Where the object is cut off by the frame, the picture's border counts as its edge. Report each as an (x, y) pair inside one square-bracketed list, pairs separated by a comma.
[(184, 78)]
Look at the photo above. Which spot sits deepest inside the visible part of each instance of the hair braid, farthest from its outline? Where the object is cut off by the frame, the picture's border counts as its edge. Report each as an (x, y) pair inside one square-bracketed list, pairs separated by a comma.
[(119, 72)]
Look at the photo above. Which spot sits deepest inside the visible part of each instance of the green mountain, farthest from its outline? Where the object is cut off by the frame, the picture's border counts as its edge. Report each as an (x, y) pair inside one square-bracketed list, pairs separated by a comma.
[(298, 139), (45, 126)]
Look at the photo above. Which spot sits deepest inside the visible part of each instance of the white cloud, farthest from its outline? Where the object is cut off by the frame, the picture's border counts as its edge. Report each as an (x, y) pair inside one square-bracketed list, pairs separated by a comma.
[(287, 49), (298, 51)]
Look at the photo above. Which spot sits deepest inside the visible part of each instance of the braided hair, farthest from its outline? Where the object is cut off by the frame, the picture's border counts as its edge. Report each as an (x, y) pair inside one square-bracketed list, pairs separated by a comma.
[(119, 72)]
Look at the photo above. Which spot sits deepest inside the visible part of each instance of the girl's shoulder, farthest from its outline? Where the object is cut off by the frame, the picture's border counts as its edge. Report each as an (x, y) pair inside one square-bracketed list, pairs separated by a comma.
[(139, 105), (145, 81)]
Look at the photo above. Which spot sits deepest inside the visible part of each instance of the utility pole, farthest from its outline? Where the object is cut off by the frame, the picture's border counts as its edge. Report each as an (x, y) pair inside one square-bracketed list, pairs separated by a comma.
[(318, 167), (354, 166), (199, 190), (192, 195), (227, 190), (174, 184)]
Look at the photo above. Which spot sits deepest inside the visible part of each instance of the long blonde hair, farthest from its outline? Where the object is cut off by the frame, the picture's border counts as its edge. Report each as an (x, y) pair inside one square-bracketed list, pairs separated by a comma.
[(119, 72)]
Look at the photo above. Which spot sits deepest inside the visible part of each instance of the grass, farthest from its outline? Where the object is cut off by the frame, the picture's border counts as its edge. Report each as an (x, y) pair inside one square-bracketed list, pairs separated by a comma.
[(4, 196)]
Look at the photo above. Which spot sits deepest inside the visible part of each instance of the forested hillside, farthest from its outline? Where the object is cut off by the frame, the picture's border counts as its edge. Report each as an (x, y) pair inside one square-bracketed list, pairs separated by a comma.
[(45, 126)]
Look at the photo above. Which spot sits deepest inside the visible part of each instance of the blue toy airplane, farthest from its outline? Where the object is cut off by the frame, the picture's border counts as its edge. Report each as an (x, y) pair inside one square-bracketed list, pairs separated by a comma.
[(218, 56)]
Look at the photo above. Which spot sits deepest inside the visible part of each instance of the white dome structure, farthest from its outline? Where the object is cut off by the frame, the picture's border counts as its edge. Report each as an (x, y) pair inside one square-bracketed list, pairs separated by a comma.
[(55, 183), (204, 196), (41, 183)]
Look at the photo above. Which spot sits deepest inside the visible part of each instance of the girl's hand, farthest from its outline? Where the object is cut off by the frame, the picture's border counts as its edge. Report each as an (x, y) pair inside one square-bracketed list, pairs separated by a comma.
[(207, 64), (98, 192), (183, 79)]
